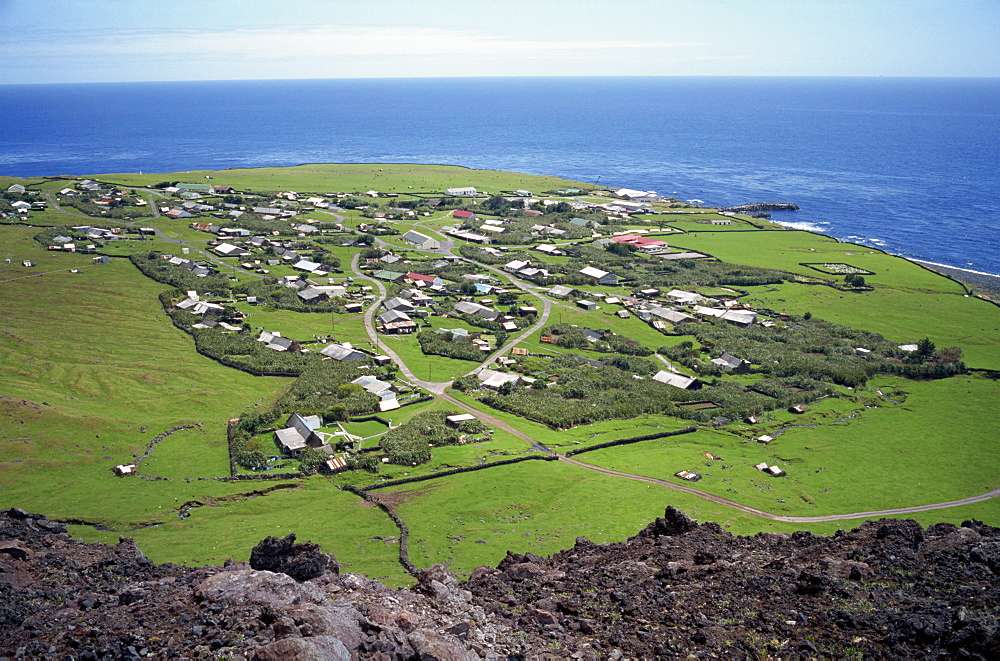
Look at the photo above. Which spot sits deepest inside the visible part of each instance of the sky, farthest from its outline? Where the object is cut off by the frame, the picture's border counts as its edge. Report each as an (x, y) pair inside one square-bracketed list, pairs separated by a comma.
[(66, 41)]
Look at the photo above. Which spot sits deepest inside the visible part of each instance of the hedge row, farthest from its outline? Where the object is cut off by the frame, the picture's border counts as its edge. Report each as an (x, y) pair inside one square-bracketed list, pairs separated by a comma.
[(634, 439), (456, 471)]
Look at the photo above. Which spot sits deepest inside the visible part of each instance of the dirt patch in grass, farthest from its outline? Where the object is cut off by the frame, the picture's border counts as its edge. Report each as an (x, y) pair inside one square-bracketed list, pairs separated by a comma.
[(394, 499)]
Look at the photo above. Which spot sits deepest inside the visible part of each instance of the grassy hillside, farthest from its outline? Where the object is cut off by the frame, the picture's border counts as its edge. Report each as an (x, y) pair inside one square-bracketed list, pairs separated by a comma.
[(92, 369)]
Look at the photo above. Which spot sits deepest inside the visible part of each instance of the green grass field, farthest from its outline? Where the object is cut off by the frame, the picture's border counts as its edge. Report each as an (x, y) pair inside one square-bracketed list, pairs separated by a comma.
[(91, 369)]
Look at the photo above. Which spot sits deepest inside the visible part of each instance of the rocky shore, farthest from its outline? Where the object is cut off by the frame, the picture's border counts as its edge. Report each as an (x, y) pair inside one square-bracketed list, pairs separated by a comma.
[(887, 589), (759, 207)]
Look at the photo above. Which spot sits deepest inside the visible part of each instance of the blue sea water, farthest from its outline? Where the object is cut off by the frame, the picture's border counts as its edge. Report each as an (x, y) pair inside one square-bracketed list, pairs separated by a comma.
[(907, 165)]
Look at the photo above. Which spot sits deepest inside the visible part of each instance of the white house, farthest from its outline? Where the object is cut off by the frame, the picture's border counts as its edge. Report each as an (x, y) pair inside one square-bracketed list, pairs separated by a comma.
[(602, 277)]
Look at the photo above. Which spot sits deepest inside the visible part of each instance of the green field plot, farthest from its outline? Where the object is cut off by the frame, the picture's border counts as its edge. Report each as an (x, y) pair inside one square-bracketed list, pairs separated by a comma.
[(787, 251), (905, 317), (360, 535), (385, 177), (836, 463), (431, 368)]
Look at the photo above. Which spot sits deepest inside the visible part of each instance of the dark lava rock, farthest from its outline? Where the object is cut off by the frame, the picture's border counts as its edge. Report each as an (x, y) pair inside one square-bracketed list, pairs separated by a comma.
[(300, 561), (674, 522), (886, 589)]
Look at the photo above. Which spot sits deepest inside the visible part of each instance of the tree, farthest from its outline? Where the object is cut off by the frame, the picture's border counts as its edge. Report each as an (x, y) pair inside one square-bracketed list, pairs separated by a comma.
[(467, 288), (310, 459), (925, 348), (620, 249), (508, 297), (495, 203)]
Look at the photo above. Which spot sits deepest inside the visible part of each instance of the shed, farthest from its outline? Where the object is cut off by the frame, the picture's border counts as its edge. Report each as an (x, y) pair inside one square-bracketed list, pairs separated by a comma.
[(456, 420)]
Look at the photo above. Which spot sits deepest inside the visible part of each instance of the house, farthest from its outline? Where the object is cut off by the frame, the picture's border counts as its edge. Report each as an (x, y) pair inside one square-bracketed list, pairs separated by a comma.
[(400, 304), (456, 420), (424, 280), (468, 191), (515, 265), (675, 380), (380, 389), (468, 236), (641, 242), (588, 361), (344, 353), (590, 306), (637, 195), (395, 321), (549, 249), (389, 276), (765, 439), (312, 295), (690, 476), (16, 188), (673, 316), (494, 380), (275, 342), (775, 471), (468, 307), (229, 250), (623, 314), (560, 291), (223, 190), (796, 408), (732, 364), (736, 317), (421, 241), (602, 277), (462, 214), (685, 297), (392, 316), (508, 326), (308, 266), (454, 332), (299, 433)]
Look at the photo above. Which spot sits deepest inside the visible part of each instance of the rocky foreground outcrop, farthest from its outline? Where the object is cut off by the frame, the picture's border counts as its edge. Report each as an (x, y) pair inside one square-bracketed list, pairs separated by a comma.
[(885, 589)]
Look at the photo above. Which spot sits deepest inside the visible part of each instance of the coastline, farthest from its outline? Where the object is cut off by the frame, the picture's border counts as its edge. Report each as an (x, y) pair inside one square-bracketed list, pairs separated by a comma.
[(977, 279)]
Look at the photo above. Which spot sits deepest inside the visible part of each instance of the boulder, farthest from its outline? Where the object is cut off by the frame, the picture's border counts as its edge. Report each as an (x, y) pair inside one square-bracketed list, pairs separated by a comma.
[(258, 588), (300, 561), (316, 648)]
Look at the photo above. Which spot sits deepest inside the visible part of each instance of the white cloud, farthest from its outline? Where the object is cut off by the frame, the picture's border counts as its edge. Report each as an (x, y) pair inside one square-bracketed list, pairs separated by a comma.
[(305, 42)]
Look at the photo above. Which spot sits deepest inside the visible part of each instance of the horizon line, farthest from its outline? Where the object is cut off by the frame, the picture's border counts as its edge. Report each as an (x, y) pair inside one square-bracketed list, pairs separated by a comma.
[(510, 77)]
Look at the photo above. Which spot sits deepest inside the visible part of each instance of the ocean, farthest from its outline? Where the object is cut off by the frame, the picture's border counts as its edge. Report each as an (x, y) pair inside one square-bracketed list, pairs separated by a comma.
[(906, 165)]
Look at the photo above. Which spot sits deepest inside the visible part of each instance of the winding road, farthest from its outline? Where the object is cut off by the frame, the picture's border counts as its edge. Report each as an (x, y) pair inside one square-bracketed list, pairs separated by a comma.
[(440, 389)]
